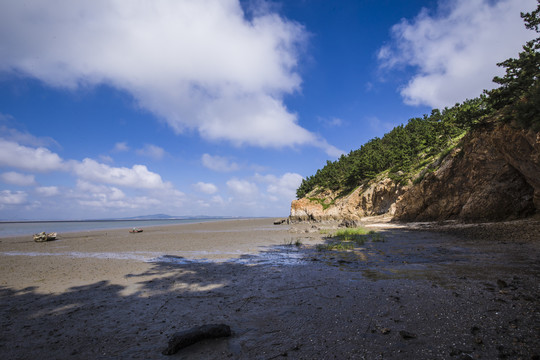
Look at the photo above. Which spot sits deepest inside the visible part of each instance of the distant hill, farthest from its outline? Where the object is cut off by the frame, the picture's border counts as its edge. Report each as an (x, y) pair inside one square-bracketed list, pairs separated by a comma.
[(479, 160), (166, 217)]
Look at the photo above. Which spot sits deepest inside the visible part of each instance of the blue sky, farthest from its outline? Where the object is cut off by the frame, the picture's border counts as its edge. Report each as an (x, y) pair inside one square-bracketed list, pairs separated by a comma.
[(220, 107)]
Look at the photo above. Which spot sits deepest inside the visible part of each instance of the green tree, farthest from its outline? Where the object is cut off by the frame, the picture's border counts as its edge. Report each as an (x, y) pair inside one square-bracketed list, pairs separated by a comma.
[(519, 94)]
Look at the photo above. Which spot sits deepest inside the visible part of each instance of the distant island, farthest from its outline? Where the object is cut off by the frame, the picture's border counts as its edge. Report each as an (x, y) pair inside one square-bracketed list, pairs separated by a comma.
[(165, 217)]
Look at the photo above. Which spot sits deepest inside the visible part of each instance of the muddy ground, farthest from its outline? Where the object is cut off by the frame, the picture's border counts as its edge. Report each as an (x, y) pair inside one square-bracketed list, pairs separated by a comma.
[(416, 291)]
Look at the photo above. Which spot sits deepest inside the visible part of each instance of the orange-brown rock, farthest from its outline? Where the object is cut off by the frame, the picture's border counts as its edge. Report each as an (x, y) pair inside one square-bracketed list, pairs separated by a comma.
[(493, 175), (374, 198)]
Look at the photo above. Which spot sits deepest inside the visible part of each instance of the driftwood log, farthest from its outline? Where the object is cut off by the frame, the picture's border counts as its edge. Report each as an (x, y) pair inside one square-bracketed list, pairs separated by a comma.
[(189, 337)]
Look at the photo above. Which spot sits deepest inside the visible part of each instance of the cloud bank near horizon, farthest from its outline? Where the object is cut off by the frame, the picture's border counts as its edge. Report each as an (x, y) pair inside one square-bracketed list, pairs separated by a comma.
[(454, 50), (87, 187), (198, 65)]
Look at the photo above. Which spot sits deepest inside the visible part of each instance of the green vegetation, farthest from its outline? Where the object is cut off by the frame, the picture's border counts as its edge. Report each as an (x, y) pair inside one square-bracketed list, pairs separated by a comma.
[(356, 235), (420, 145), (399, 151), (323, 202), (348, 239), (518, 97), (291, 243)]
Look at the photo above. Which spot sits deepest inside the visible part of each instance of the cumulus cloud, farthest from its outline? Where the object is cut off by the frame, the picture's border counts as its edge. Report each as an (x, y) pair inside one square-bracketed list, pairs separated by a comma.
[(22, 157), (15, 178), (284, 186), (48, 191), (104, 196), (243, 188), (137, 176), (152, 151), (198, 65), (219, 163), (454, 50), (206, 188), (121, 146), (9, 132), (8, 197)]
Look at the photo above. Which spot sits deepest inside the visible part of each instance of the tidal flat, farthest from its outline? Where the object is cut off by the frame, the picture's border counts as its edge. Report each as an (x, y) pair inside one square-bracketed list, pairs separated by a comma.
[(413, 291)]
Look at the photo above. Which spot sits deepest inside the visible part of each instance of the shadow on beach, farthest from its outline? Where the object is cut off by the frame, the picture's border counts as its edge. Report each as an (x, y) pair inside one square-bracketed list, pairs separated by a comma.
[(409, 295)]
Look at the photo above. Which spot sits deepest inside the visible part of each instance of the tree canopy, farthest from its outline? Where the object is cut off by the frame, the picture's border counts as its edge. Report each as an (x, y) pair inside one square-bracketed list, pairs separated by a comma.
[(516, 100)]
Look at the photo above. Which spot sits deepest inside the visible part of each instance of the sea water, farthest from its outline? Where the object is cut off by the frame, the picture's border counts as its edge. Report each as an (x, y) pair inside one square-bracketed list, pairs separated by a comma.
[(23, 228)]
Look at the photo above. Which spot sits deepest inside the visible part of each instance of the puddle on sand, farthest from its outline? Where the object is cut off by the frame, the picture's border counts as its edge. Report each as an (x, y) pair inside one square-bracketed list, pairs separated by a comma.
[(141, 256), (280, 255)]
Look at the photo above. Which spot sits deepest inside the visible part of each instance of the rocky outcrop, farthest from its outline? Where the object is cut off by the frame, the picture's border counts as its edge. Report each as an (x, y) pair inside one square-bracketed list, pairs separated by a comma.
[(374, 198), (493, 175)]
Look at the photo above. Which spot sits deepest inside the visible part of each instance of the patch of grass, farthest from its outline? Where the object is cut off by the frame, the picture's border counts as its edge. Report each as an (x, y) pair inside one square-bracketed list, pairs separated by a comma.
[(348, 239), (376, 237), (325, 231), (292, 242), (338, 245), (357, 235)]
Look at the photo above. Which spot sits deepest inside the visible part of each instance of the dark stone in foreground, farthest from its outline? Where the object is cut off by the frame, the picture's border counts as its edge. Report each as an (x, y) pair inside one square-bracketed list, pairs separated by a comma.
[(189, 337), (407, 335)]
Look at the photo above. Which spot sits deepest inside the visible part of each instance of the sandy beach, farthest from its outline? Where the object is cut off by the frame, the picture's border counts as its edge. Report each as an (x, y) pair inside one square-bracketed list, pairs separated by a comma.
[(417, 291)]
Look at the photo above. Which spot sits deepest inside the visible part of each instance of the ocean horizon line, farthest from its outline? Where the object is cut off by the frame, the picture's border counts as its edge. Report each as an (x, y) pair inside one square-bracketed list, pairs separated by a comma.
[(24, 228)]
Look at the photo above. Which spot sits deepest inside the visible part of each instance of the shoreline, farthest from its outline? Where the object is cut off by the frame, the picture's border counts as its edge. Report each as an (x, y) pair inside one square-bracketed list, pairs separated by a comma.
[(161, 222), (417, 294)]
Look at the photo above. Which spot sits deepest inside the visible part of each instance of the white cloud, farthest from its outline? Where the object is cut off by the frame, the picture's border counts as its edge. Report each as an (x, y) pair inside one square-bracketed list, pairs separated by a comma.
[(455, 50), (10, 133), (206, 188), (101, 190), (7, 197), (110, 192), (152, 151), (110, 197), (197, 64), (137, 176), (243, 188), (218, 163), (106, 158), (330, 150), (218, 200), (284, 186), (331, 122), (121, 147), (15, 178), (48, 191), (26, 158)]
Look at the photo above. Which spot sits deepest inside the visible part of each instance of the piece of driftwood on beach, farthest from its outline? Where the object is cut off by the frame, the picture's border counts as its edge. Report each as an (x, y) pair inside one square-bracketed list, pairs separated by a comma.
[(189, 337)]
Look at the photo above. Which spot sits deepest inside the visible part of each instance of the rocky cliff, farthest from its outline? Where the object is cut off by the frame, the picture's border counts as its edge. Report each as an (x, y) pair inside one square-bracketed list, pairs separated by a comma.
[(494, 174)]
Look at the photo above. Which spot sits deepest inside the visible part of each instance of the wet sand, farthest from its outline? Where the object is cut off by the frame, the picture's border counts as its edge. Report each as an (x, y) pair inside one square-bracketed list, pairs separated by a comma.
[(421, 291)]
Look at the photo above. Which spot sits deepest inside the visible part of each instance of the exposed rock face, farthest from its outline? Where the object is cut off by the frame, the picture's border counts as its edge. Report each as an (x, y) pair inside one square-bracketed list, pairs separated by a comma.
[(483, 181), (495, 175), (375, 198)]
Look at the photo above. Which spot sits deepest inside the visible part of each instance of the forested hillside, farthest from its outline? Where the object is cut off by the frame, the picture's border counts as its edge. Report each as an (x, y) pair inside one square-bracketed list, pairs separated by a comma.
[(406, 150)]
